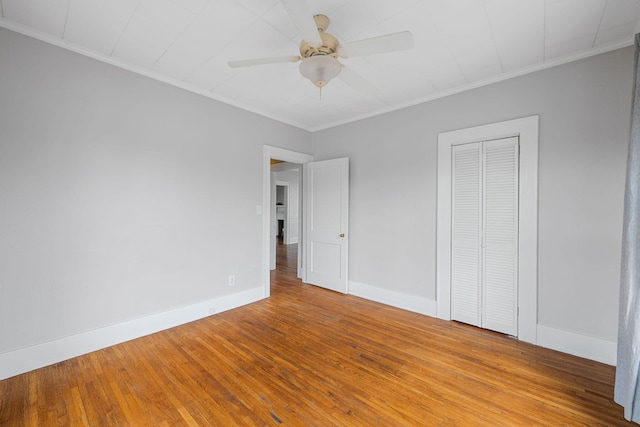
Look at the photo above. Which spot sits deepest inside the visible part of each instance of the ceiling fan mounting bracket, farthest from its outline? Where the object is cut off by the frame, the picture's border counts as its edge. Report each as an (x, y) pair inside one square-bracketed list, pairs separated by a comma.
[(322, 22)]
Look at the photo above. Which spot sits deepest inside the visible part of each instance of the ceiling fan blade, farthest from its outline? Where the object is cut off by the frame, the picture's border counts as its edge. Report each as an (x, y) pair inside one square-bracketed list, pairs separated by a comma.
[(263, 61), (381, 44), (357, 82), (302, 18)]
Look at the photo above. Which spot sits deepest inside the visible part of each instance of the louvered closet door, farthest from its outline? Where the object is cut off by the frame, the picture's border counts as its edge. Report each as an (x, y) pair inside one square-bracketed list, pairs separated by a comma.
[(465, 234), (484, 234), (500, 247)]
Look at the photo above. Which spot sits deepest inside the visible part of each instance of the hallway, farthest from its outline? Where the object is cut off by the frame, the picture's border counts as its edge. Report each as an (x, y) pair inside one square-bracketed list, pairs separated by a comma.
[(286, 260)]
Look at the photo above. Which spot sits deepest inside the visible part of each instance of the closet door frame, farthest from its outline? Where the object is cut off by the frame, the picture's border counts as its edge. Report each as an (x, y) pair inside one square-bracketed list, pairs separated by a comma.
[(527, 131)]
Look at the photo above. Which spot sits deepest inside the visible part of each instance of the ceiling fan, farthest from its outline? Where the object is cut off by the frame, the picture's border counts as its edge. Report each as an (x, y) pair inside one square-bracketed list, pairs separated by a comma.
[(319, 50)]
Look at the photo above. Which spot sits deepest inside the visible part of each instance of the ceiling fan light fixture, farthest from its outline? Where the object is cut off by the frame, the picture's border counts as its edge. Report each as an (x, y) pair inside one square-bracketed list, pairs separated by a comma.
[(320, 69)]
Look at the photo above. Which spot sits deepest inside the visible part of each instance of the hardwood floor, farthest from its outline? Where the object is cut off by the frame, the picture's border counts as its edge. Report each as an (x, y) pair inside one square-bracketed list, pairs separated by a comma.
[(308, 356)]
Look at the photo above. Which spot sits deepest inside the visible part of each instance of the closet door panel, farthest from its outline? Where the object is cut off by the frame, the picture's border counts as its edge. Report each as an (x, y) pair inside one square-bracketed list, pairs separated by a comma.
[(500, 244), (465, 233)]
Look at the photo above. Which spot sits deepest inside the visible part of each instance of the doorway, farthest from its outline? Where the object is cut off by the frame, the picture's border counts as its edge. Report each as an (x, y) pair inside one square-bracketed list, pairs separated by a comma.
[(286, 208), (269, 212), (282, 212)]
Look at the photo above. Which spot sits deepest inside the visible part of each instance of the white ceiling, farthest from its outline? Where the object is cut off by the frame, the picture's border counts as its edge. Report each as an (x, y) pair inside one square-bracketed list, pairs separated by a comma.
[(459, 44)]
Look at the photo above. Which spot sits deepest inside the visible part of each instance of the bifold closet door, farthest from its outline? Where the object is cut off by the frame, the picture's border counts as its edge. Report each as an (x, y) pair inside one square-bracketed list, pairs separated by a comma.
[(484, 233)]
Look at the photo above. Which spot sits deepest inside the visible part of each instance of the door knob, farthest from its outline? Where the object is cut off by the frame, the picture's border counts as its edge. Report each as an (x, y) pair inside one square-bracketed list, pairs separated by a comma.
[(341, 234)]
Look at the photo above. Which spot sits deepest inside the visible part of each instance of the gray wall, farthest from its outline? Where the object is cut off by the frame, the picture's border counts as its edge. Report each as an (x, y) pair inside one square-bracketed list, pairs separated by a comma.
[(119, 196), (116, 202), (584, 130)]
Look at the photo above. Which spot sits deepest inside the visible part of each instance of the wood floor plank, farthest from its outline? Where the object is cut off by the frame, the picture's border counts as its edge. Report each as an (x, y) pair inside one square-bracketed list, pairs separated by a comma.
[(311, 357)]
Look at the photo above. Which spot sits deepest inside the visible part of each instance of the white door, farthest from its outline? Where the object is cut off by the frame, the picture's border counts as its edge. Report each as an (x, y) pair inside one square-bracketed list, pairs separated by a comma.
[(327, 214), (484, 254)]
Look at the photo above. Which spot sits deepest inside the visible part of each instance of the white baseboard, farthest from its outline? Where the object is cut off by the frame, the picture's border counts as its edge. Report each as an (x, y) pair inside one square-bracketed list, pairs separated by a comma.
[(29, 358), (395, 299), (567, 342), (578, 345), (37, 356)]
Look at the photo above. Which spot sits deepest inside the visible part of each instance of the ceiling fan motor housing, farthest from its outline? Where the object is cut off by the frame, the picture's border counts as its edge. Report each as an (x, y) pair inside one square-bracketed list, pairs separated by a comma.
[(319, 63), (329, 46)]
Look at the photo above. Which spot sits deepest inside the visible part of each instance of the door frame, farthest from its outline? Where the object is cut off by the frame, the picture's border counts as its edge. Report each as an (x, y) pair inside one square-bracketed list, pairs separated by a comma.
[(269, 152), (527, 130)]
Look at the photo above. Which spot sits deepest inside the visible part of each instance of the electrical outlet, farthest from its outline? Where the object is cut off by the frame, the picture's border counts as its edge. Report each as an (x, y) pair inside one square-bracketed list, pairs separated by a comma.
[(212, 311), (232, 280)]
